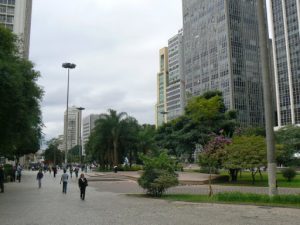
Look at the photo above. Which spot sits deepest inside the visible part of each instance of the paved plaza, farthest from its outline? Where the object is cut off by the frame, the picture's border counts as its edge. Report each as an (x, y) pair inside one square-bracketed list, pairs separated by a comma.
[(24, 204)]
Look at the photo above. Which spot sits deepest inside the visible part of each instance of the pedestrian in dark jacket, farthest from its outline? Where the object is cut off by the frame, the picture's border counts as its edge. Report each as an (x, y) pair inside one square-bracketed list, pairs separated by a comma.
[(39, 177), (82, 183), (1, 179)]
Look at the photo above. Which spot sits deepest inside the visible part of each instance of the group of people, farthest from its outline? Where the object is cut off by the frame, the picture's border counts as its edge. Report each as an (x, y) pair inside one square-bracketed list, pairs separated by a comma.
[(82, 181), (15, 174)]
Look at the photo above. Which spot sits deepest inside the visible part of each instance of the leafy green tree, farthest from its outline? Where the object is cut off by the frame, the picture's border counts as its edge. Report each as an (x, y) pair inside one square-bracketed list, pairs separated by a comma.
[(117, 135), (146, 136), (20, 96), (159, 174), (203, 116), (212, 154), (74, 154), (245, 152), (289, 137), (52, 153)]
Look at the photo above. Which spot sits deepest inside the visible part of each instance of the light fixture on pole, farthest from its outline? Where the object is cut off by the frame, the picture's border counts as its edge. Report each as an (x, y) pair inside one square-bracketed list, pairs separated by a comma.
[(67, 66), (80, 136)]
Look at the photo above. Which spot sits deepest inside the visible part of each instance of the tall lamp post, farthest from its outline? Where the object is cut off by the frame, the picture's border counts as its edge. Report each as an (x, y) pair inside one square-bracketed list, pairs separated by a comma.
[(80, 136), (67, 66), (267, 98)]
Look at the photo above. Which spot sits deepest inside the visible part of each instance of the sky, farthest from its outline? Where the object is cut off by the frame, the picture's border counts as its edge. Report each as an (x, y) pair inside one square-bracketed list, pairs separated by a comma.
[(115, 46)]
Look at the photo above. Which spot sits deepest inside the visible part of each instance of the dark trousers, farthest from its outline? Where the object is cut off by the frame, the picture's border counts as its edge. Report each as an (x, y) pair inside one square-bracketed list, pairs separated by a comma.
[(82, 193), (65, 187), (2, 186)]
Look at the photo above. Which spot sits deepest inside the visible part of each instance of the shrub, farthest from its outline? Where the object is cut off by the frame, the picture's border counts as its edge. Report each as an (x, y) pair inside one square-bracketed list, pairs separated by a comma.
[(159, 174), (128, 168), (289, 173), (8, 170)]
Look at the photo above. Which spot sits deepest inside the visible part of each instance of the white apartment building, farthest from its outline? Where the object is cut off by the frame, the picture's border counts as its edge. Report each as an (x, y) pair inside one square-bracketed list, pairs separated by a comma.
[(88, 124), (16, 16)]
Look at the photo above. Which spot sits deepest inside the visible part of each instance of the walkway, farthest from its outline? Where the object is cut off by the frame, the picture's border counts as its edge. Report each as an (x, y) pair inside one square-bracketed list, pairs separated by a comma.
[(24, 204), (197, 184)]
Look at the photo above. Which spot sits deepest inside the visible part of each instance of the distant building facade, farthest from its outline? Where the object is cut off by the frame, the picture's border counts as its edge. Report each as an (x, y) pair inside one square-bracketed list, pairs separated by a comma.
[(285, 26), (61, 146), (221, 52), (88, 124), (162, 82), (16, 16), (74, 124), (175, 91)]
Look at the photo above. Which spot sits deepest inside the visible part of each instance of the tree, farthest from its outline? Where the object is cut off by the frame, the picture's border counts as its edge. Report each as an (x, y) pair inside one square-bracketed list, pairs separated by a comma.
[(212, 154), (245, 152), (203, 116), (159, 174), (289, 137), (20, 96), (52, 153), (74, 154), (115, 136)]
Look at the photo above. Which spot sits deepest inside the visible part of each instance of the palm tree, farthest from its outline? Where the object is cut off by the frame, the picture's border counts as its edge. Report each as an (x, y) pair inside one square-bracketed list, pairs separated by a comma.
[(114, 122)]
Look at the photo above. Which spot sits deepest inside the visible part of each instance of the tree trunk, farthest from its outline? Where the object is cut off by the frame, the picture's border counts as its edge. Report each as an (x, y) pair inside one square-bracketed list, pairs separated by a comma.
[(209, 184), (115, 153), (233, 174), (253, 176)]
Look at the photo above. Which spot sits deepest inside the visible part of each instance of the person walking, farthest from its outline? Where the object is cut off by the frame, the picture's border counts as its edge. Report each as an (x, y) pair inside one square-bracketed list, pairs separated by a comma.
[(19, 173), (71, 171), (82, 183), (39, 177), (1, 179), (64, 179), (54, 168), (76, 170)]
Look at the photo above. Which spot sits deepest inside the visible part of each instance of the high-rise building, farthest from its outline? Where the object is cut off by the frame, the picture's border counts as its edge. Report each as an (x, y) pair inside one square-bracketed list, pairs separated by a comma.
[(175, 89), (221, 52), (74, 124), (88, 124), (162, 82), (285, 22), (16, 16)]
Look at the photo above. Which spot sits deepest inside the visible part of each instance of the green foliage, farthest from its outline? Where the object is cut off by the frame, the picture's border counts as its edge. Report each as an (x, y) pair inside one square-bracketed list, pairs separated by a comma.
[(117, 136), (240, 198), (289, 173), (245, 152), (52, 153), (20, 96), (159, 174), (289, 137), (8, 171), (203, 115), (130, 168)]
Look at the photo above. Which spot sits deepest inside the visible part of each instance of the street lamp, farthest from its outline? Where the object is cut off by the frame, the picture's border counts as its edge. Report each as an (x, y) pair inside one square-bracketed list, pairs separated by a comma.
[(164, 114), (67, 66), (80, 136)]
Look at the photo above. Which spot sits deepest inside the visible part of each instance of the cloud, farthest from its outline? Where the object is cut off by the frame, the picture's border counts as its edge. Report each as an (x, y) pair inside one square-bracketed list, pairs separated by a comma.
[(115, 46)]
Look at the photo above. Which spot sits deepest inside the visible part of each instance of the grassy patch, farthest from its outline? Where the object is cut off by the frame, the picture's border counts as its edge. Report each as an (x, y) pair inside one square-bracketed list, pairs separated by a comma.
[(239, 198), (245, 179)]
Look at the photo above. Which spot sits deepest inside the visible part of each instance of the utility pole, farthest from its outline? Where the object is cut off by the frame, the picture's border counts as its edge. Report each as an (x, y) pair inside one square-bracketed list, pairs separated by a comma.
[(264, 58)]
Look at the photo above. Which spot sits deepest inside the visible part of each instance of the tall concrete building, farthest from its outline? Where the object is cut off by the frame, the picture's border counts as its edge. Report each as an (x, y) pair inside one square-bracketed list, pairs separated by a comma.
[(88, 124), (74, 125), (162, 83), (16, 16), (285, 22), (221, 52), (175, 89)]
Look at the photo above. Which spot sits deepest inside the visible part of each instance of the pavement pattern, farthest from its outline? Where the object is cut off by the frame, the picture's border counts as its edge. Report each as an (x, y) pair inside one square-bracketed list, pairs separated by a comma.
[(24, 204)]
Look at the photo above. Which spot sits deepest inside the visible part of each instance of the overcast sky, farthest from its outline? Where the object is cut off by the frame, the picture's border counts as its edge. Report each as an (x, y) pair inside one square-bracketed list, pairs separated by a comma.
[(115, 45)]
